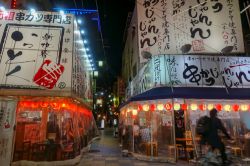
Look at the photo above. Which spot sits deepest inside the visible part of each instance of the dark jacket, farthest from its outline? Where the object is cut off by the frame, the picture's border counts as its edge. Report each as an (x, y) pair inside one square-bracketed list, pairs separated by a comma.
[(213, 138)]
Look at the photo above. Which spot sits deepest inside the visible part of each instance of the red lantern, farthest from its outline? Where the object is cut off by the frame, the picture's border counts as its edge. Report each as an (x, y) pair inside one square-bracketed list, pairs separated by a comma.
[(139, 107), (202, 107), (55, 105), (44, 104), (218, 107), (168, 106), (152, 107), (236, 107), (34, 105), (184, 107)]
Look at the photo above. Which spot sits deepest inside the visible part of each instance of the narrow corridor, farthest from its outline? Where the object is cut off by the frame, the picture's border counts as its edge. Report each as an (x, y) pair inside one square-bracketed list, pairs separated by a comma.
[(106, 152)]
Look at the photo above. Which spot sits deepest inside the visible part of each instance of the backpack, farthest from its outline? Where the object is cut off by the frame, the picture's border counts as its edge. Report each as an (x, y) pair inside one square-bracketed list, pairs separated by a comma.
[(203, 126)]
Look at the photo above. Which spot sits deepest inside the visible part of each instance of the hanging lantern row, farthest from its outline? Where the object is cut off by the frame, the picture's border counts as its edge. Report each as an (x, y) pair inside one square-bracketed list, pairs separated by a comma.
[(192, 107), (55, 105)]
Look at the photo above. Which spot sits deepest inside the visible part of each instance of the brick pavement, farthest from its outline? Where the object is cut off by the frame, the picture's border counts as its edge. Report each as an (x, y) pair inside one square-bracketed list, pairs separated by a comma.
[(106, 152)]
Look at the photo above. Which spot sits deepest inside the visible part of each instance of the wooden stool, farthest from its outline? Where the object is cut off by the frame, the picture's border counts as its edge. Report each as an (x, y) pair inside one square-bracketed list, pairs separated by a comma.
[(171, 150), (155, 148), (237, 151)]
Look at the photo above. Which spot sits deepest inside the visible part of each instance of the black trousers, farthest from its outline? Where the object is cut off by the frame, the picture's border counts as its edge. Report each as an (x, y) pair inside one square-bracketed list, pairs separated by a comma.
[(222, 152)]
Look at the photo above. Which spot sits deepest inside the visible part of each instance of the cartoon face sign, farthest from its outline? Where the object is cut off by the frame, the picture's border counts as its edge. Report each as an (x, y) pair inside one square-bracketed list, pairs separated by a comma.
[(31, 55)]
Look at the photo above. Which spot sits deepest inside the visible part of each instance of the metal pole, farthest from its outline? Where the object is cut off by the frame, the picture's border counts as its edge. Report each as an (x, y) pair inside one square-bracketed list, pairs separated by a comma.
[(133, 138)]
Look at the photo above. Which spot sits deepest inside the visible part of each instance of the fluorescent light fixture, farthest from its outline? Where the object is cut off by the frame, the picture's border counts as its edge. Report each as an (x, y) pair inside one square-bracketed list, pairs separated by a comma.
[(61, 12), (32, 10)]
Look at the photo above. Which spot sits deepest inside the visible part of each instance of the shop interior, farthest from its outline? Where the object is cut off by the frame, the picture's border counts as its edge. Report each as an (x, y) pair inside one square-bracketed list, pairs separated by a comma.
[(166, 128), (51, 129)]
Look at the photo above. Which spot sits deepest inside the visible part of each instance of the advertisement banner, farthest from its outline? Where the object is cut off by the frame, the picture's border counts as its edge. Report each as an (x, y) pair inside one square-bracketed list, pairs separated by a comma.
[(181, 26), (35, 50)]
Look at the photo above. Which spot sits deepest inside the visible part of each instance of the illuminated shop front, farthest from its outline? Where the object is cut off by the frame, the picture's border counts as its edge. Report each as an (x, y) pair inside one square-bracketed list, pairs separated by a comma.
[(176, 69), (51, 129), (45, 89), (166, 127), (171, 92)]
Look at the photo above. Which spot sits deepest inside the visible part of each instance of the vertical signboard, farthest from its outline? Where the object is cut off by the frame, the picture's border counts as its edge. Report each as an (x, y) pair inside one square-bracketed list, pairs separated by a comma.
[(182, 26), (7, 121), (35, 49), (81, 75)]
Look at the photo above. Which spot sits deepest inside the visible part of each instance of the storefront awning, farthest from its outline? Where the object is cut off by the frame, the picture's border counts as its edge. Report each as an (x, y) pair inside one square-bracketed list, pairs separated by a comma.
[(192, 93)]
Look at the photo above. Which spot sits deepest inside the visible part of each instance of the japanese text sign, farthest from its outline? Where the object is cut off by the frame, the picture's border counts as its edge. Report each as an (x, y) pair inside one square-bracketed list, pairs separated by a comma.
[(184, 26)]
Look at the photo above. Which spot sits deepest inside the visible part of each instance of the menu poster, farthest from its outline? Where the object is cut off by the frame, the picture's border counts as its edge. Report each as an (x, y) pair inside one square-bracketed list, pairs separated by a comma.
[(167, 119), (7, 119)]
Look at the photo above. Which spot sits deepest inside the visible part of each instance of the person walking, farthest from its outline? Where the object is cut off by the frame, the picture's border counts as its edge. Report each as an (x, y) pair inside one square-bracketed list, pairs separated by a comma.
[(213, 139)]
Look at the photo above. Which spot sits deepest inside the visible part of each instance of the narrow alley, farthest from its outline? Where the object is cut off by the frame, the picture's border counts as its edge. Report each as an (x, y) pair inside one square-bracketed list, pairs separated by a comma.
[(106, 152)]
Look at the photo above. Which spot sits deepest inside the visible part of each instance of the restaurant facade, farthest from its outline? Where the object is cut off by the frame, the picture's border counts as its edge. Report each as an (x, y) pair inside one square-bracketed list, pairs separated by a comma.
[(45, 89), (174, 76)]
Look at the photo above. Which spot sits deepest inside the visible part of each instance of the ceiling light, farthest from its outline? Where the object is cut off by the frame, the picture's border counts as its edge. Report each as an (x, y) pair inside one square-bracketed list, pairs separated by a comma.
[(2, 8), (32, 10)]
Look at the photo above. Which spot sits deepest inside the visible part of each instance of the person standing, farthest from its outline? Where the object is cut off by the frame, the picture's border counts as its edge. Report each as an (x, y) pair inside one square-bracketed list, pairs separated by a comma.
[(213, 138)]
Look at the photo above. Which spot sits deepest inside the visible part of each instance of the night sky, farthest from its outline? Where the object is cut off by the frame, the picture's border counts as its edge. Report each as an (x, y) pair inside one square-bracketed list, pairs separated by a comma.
[(113, 15)]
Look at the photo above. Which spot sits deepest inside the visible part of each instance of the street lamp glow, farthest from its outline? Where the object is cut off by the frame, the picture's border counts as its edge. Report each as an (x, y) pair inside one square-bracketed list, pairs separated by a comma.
[(79, 21), (85, 41), (87, 49), (82, 32), (96, 73), (100, 63)]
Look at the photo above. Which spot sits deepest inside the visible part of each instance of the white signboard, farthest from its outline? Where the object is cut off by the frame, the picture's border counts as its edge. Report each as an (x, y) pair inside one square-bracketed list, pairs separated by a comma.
[(35, 50), (193, 71), (7, 121), (185, 26), (201, 71)]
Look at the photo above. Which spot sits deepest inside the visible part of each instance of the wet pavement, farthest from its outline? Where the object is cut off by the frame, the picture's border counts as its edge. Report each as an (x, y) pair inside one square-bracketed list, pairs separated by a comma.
[(106, 152)]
